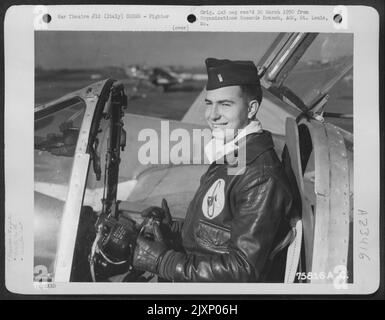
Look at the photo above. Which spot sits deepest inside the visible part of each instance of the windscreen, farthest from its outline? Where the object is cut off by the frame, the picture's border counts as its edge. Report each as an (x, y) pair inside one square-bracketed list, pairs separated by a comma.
[(329, 57), (326, 58), (55, 139)]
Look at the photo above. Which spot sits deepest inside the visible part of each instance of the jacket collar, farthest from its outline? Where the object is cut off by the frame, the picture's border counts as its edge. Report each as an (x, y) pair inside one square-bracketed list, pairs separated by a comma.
[(255, 144), (217, 149)]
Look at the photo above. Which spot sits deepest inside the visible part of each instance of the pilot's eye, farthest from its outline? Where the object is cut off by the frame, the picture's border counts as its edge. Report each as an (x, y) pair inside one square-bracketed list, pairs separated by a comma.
[(208, 103), (226, 104)]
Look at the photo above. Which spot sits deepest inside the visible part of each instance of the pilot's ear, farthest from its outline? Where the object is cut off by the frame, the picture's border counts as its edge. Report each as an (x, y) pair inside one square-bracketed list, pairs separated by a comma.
[(253, 109)]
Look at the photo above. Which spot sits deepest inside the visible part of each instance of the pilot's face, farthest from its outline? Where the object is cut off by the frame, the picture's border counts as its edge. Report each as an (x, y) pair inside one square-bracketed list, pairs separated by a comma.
[(226, 112)]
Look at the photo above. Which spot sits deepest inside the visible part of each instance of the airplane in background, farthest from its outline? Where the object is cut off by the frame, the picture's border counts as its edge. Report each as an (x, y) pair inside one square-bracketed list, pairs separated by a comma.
[(77, 185), (162, 78)]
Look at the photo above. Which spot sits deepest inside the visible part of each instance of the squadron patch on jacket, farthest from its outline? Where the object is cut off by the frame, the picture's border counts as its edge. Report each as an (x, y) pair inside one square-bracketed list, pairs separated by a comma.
[(214, 200)]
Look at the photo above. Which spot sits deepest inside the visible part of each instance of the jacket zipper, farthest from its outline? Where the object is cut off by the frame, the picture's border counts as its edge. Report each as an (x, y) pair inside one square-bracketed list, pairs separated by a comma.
[(214, 225)]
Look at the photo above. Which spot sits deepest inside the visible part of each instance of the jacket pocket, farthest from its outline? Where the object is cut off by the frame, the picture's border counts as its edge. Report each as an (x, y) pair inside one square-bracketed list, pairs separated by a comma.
[(212, 237)]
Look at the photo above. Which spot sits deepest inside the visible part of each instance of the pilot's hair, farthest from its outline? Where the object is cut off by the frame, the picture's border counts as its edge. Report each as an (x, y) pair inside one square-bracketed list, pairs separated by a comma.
[(252, 92)]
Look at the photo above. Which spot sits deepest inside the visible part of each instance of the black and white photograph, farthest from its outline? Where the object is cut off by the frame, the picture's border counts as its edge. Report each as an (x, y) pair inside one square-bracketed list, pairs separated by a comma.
[(212, 226), (200, 157)]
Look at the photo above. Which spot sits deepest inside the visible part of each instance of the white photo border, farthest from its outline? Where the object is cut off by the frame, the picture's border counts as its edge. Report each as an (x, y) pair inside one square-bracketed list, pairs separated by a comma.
[(19, 26)]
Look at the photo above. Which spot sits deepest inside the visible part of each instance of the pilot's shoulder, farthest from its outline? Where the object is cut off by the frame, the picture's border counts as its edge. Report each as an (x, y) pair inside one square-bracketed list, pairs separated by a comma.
[(265, 163), (265, 167)]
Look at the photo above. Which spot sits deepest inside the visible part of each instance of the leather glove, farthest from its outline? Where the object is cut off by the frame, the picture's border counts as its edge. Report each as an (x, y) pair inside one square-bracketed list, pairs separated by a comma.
[(160, 214), (170, 229), (148, 254)]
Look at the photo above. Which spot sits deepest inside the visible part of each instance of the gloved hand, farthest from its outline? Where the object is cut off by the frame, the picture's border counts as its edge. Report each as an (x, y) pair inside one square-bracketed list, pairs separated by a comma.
[(148, 254), (160, 214), (170, 229)]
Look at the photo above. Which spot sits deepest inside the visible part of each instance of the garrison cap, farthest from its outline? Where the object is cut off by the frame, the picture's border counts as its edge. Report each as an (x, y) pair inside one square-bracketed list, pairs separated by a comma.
[(225, 73)]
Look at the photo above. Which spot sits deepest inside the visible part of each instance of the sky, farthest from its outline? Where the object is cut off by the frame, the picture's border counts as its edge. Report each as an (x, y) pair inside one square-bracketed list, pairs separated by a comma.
[(94, 49)]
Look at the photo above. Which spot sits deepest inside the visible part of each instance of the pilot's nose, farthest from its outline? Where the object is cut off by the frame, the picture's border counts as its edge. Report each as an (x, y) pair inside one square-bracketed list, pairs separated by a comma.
[(214, 113)]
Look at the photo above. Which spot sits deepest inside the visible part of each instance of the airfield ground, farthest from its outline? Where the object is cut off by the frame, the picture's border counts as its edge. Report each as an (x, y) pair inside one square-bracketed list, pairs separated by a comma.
[(175, 102)]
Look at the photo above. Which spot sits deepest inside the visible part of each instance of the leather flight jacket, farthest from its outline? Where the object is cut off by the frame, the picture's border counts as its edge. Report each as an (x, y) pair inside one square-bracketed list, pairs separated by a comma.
[(234, 223)]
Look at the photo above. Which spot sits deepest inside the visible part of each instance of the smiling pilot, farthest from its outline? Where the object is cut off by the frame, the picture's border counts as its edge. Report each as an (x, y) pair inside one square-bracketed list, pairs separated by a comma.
[(237, 225)]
